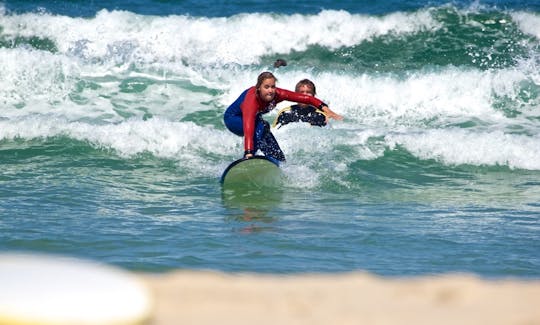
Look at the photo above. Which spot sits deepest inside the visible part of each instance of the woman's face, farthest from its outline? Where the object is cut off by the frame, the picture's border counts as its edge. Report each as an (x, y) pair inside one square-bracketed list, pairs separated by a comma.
[(267, 90)]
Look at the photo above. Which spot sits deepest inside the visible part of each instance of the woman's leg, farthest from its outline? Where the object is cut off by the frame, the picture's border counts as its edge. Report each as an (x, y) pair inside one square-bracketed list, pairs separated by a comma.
[(265, 141), (234, 124)]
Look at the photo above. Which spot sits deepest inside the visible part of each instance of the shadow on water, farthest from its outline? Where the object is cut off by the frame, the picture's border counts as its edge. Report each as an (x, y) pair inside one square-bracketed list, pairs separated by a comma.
[(252, 204)]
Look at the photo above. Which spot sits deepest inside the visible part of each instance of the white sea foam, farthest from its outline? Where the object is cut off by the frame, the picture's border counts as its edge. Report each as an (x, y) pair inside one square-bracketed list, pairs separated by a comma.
[(382, 106), (33, 81), (122, 37), (179, 140), (191, 64), (459, 146), (528, 22), (441, 97), (105, 48)]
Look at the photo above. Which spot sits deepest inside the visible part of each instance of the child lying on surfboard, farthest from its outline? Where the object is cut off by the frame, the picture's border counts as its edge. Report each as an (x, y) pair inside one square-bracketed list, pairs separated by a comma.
[(303, 112)]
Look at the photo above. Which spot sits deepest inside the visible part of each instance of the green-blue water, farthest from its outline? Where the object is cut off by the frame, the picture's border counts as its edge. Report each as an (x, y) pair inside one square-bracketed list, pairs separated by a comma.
[(112, 141)]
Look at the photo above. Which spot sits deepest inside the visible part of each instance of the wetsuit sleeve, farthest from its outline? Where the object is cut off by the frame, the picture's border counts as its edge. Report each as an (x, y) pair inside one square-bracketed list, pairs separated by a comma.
[(249, 109), (284, 94)]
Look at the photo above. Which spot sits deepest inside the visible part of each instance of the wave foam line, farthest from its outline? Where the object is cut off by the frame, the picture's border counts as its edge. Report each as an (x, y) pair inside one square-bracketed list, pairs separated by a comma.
[(458, 147), (122, 35), (529, 23), (159, 137), (449, 95)]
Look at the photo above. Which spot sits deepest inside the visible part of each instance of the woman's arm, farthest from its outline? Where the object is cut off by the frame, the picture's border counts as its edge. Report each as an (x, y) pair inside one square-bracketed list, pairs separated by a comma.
[(284, 94), (249, 109)]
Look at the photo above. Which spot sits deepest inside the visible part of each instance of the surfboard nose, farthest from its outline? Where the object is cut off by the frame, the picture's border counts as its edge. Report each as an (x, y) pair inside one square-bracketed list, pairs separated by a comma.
[(46, 290), (257, 172)]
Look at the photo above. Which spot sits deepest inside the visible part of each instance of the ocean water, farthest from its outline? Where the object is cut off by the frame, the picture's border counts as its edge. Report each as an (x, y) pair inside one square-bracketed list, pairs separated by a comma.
[(112, 141)]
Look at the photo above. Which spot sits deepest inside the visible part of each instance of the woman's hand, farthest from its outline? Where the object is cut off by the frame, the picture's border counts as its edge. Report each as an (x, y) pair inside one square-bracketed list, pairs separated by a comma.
[(248, 154)]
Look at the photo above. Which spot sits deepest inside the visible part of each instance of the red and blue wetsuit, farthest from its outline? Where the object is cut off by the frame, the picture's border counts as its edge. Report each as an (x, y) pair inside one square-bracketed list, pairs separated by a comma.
[(244, 118)]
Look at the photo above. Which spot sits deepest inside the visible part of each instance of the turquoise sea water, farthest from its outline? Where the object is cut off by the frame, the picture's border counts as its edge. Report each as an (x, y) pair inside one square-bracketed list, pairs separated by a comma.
[(112, 141)]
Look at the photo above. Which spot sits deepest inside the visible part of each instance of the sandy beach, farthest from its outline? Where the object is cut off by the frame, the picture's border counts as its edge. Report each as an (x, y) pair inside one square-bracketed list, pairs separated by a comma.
[(187, 297)]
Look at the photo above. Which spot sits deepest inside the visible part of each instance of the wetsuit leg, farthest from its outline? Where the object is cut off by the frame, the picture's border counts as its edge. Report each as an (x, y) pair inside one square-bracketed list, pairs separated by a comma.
[(234, 124), (265, 141)]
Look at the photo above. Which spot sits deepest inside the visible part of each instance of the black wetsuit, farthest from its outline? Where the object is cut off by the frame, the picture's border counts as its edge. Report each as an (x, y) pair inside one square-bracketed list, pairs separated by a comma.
[(297, 113)]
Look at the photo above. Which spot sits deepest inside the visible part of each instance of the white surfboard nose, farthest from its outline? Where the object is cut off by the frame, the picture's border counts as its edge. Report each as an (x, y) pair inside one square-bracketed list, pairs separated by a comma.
[(45, 289)]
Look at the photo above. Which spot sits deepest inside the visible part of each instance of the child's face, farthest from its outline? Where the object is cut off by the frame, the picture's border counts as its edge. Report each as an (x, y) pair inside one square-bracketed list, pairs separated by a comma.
[(305, 90)]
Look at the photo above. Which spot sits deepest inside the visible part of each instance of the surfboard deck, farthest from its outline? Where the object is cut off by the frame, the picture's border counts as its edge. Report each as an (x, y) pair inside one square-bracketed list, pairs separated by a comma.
[(256, 172)]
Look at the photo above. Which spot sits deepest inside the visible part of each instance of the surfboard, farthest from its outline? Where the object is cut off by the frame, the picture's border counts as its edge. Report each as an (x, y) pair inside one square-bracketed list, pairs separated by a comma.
[(255, 172), (255, 183), (44, 290)]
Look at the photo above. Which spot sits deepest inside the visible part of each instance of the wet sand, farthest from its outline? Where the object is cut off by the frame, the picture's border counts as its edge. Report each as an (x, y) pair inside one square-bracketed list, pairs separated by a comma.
[(188, 297)]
